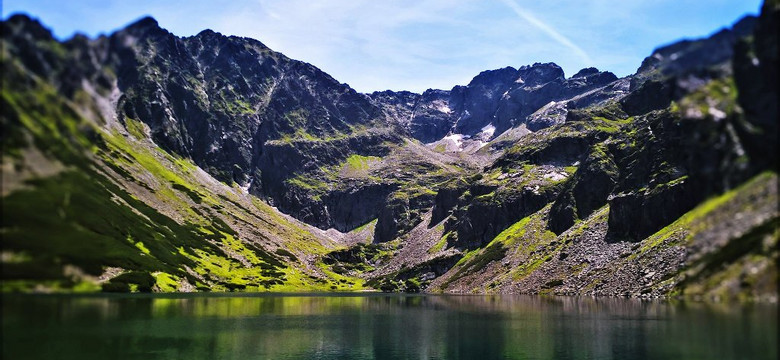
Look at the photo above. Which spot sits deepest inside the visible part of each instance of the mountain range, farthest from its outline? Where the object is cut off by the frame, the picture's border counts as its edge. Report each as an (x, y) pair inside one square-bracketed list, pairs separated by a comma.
[(144, 161)]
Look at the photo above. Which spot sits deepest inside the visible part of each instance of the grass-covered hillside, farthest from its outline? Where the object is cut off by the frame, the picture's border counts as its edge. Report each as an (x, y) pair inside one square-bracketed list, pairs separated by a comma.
[(96, 205)]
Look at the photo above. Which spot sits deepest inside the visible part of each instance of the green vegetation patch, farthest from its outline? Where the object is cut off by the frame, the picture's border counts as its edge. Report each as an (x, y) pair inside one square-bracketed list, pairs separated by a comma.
[(610, 126), (134, 281), (56, 128), (358, 163), (439, 246), (135, 128), (714, 100), (354, 260), (737, 270), (694, 221), (297, 239), (166, 282), (527, 240), (308, 183), (80, 219)]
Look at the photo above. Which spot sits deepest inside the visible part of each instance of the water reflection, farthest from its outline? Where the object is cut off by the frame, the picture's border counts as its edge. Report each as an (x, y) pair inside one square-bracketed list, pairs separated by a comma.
[(380, 327)]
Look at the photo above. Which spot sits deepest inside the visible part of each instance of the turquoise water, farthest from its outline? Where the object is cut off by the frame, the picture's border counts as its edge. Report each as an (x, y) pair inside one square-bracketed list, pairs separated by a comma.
[(380, 326)]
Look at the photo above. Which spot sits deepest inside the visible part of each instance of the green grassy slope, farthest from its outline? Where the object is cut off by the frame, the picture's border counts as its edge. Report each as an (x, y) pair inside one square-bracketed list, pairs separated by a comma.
[(90, 207)]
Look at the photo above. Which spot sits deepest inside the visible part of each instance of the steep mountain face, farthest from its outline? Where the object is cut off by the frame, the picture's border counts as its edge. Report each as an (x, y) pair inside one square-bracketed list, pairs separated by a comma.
[(232, 105), (87, 207), (493, 102), (247, 114), (660, 183)]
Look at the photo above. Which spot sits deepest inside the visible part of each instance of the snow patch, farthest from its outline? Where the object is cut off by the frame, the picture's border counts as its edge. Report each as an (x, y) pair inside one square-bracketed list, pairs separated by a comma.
[(489, 130), (245, 187), (556, 176), (717, 114), (456, 138)]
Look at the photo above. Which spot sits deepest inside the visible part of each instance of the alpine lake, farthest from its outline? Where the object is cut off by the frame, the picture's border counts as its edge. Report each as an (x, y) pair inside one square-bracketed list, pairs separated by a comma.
[(380, 326)]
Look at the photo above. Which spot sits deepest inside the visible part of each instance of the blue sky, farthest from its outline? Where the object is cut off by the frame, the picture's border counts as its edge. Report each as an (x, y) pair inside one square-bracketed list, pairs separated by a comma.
[(420, 44)]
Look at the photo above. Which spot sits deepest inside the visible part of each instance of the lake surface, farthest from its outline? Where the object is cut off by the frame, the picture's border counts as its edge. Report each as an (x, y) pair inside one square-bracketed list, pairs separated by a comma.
[(380, 326)]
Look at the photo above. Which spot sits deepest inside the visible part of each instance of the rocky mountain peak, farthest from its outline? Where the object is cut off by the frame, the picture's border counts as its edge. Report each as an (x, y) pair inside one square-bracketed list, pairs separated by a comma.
[(698, 55), (495, 101), (494, 77), (145, 27), (590, 77), (144, 23), (208, 33), (24, 25), (539, 73), (585, 72), (745, 26)]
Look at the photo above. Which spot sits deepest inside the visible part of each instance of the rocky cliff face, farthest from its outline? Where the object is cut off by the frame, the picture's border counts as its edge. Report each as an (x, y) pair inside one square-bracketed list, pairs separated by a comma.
[(495, 101), (522, 180), (239, 110), (91, 202)]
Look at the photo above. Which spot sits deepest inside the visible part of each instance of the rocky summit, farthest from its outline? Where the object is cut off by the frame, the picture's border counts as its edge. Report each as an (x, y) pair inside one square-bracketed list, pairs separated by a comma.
[(144, 161)]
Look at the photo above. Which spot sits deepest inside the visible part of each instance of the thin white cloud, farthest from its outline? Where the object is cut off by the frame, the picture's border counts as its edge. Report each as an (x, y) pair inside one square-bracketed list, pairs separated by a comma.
[(416, 44), (555, 35), (364, 43)]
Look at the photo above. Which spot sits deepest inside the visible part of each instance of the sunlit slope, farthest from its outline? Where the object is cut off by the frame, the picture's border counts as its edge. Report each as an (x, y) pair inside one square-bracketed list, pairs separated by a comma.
[(96, 205)]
